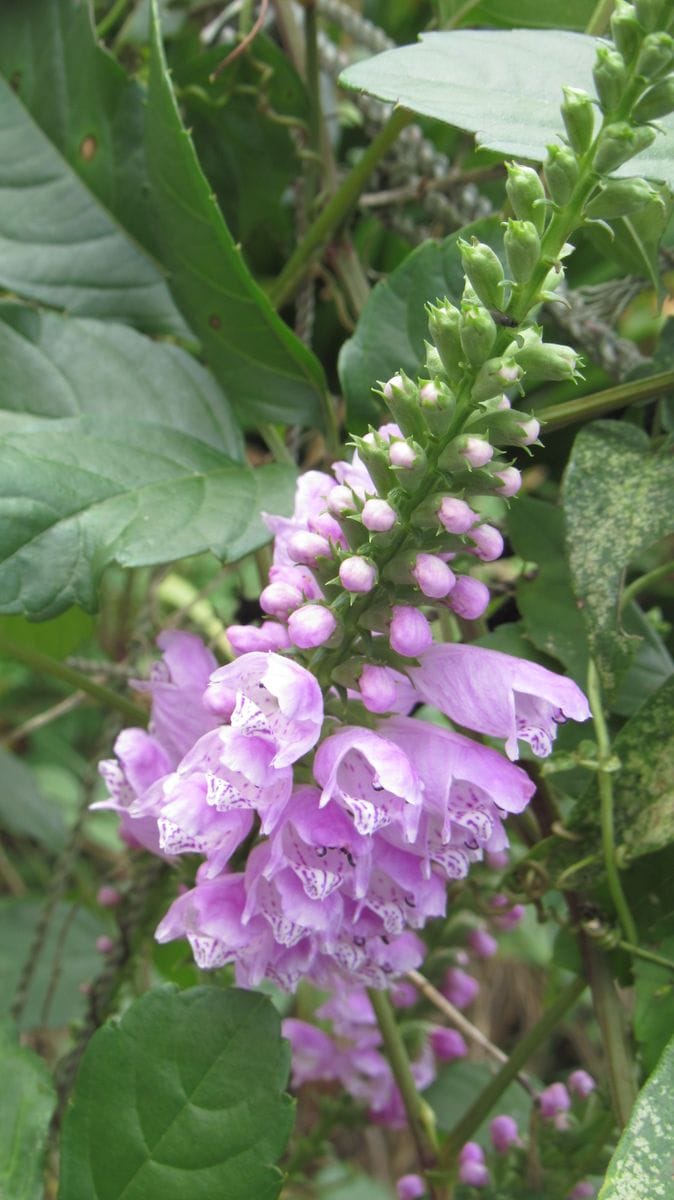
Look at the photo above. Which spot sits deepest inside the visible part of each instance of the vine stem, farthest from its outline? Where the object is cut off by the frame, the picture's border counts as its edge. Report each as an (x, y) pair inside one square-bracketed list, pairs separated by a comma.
[(611, 1024), (645, 581), (480, 1109), (336, 209), (44, 664), (558, 416), (605, 784), (419, 1116)]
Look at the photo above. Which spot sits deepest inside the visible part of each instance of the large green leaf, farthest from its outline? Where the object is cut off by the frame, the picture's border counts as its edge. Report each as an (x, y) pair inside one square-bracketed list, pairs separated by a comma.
[(618, 498), (78, 494), (393, 325), (504, 14), (641, 1168), (24, 809), (502, 85), (267, 372), (183, 1097), (654, 1004), (27, 1100)]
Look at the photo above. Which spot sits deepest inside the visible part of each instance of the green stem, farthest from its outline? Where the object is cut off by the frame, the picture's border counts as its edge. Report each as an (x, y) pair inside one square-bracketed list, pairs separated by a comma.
[(336, 209), (585, 408), (605, 784), (611, 1024), (419, 1116), (45, 665), (601, 16), (647, 955), (645, 581), (276, 444), (111, 18), (480, 1109)]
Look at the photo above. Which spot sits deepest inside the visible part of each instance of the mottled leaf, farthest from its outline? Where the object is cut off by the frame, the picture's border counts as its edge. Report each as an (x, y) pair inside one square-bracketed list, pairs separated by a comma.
[(27, 1100), (192, 1085), (618, 498), (641, 1168)]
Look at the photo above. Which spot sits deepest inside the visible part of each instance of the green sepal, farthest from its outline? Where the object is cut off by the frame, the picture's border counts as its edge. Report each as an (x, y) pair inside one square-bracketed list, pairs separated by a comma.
[(494, 376), (655, 56), (478, 333), (375, 456), (485, 272), (610, 76), (650, 13), (578, 117), (526, 194), (657, 102), (619, 198), (522, 247), (444, 324), (625, 29), (402, 402), (437, 404), (560, 171), (619, 142), (543, 362)]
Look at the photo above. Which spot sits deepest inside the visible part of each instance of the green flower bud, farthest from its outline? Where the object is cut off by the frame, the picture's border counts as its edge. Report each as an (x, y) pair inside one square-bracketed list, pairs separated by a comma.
[(620, 142), (485, 272), (625, 29), (619, 198), (522, 247), (437, 404), (495, 375), (656, 102), (610, 75), (578, 115), (650, 13), (444, 323), (526, 194), (656, 55), (478, 334), (543, 362), (373, 451), (560, 170), (505, 427), (402, 400)]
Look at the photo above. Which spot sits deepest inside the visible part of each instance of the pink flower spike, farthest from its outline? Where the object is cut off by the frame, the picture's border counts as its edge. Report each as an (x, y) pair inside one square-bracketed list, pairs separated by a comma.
[(311, 626), (488, 542), (280, 599), (511, 481), (447, 1044), (470, 597), (410, 634), (482, 943), (455, 515), (357, 574), (477, 452), (504, 1133), (581, 1084), (410, 1187), (378, 516), (460, 988), (433, 576), (554, 1100), (248, 639)]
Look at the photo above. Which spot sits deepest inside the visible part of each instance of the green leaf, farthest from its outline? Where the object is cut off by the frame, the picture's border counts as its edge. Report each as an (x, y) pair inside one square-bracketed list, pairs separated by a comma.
[(27, 1100), (505, 14), (24, 810), (653, 1004), (68, 960), (618, 497), (459, 1084), (635, 240), (502, 85), (57, 638), (267, 372), (191, 1084), (79, 494), (642, 1163), (393, 326)]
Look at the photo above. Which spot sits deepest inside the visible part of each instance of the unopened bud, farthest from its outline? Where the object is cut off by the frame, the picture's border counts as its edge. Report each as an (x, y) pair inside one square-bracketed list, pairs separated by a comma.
[(402, 398), (476, 451), (104, 944), (482, 943), (488, 542), (529, 431), (650, 13), (554, 1100), (311, 626), (625, 29), (657, 102), (444, 323), (544, 361), (375, 457), (485, 272), (610, 76), (504, 1133), (437, 404), (620, 142), (495, 375), (306, 548), (447, 1044), (246, 638), (522, 247), (280, 599), (619, 198), (655, 56), (357, 574), (469, 598), (511, 481), (108, 897), (478, 334), (581, 1084), (410, 1187), (526, 194), (378, 516), (378, 688), (472, 1168), (408, 459), (409, 634), (455, 515), (433, 577), (325, 524), (459, 987), (341, 500), (560, 170), (403, 455), (578, 116), (583, 1191)]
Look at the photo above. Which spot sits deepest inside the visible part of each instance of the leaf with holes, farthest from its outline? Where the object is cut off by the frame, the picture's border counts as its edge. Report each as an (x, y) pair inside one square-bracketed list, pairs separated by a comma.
[(642, 1163), (182, 1097), (27, 1100)]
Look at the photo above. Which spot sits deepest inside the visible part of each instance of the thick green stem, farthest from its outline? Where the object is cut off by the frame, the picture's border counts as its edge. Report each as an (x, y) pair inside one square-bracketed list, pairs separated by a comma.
[(336, 209), (480, 1109), (605, 770), (111, 18), (645, 581), (45, 665), (585, 408), (276, 444), (612, 1027), (601, 15)]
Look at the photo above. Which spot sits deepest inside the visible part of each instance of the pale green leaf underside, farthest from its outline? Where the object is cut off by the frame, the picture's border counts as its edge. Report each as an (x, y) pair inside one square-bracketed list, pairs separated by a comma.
[(641, 1168), (505, 86), (27, 1100)]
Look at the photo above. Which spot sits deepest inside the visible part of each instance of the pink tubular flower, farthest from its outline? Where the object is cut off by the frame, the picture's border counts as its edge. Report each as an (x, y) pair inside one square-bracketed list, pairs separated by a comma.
[(482, 943), (382, 689), (176, 685), (503, 1132), (305, 547), (370, 778), (314, 1054), (581, 1084), (410, 634), (447, 1044), (497, 694), (311, 494), (249, 639), (460, 988), (311, 626), (472, 1169)]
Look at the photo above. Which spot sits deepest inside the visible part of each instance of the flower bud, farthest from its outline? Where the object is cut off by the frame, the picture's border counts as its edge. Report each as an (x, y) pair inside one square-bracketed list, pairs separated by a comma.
[(620, 142), (472, 1169), (488, 543), (509, 917), (280, 599), (374, 454), (583, 1191), (433, 576), (459, 987), (560, 171), (530, 431), (650, 13), (357, 574), (268, 636), (377, 688), (478, 334), (447, 1044), (340, 500), (495, 375), (378, 516), (657, 102), (410, 1187), (444, 323), (511, 481), (554, 1100), (581, 1084), (484, 270), (306, 548), (526, 195), (482, 943), (108, 897), (402, 399), (610, 76), (403, 455), (311, 626), (625, 29), (578, 116), (543, 361), (326, 525), (409, 633), (455, 515), (503, 1133), (104, 944), (437, 404), (522, 247), (469, 598), (408, 459), (655, 56), (619, 198)]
